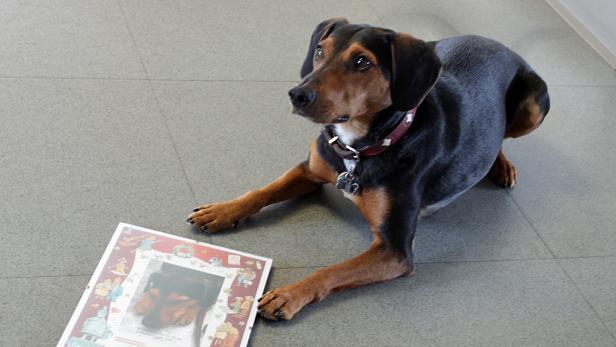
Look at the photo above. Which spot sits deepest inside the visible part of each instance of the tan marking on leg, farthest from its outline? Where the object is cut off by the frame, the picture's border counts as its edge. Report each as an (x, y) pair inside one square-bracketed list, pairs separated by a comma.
[(319, 167), (378, 263), (374, 204), (503, 173), (298, 181), (526, 118)]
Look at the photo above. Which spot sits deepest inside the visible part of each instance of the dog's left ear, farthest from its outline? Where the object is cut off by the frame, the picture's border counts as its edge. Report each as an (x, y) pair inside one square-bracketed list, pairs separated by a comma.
[(152, 281), (415, 68), (322, 31)]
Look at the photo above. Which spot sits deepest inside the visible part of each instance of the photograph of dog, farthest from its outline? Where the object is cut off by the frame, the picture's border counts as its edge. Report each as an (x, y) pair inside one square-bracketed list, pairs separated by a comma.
[(408, 126), (172, 296)]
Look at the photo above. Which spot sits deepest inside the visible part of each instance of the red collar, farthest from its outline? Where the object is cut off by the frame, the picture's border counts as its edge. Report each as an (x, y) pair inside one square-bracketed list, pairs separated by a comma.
[(348, 152)]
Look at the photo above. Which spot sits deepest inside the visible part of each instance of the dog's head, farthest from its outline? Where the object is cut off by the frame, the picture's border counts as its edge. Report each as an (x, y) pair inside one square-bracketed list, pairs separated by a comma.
[(175, 295), (352, 72)]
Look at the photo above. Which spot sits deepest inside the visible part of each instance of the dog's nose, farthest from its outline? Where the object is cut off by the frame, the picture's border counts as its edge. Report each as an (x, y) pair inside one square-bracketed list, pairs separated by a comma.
[(302, 97)]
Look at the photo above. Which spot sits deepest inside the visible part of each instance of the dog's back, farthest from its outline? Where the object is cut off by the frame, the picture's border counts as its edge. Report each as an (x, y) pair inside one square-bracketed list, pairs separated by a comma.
[(486, 92), (486, 68)]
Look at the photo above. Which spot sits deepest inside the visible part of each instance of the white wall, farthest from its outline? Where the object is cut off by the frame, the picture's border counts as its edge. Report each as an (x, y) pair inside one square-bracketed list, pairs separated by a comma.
[(594, 20)]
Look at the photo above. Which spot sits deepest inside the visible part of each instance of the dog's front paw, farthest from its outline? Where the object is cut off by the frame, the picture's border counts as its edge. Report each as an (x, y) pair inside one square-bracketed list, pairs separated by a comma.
[(284, 302), (216, 217), (226, 215)]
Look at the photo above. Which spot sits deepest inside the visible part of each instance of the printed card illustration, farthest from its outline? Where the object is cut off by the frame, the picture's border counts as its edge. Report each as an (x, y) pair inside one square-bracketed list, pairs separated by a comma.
[(156, 289)]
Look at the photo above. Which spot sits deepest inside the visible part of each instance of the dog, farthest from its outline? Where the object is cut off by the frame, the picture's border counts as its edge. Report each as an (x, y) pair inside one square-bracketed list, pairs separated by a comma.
[(408, 126), (175, 295)]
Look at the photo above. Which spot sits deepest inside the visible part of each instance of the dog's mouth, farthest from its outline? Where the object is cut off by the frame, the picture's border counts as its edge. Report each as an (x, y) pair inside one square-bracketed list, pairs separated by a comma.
[(341, 119), (323, 120)]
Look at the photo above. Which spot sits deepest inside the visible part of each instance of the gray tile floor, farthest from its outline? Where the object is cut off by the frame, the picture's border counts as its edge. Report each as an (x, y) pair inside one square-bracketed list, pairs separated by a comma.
[(135, 111)]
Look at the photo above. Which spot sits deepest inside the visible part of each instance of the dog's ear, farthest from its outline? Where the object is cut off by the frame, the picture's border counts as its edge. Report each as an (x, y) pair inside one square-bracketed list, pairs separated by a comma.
[(212, 288), (152, 281), (415, 67), (322, 31)]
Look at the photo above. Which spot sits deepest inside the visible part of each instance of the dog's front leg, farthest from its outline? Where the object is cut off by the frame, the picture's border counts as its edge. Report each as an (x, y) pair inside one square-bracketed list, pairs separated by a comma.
[(302, 179), (382, 261)]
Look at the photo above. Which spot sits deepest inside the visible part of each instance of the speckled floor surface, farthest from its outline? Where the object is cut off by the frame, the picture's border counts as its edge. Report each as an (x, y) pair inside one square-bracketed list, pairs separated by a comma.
[(136, 111)]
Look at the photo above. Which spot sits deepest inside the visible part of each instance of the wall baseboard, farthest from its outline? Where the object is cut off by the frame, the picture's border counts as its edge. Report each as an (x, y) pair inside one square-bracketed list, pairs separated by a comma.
[(579, 28)]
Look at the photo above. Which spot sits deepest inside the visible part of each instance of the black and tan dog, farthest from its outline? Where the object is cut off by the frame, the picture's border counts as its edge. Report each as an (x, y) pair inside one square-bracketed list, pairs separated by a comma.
[(408, 127), (176, 295)]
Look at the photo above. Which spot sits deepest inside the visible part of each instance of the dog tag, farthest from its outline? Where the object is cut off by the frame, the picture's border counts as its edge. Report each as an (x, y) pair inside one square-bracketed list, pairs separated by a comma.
[(348, 182)]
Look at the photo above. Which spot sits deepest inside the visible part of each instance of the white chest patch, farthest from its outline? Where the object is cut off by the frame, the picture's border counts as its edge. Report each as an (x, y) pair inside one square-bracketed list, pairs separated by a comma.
[(345, 135), (347, 195), (349, 164)]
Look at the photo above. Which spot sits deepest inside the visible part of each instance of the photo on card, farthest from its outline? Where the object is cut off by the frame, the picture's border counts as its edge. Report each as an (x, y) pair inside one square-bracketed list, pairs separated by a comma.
[(170, 302), (157, 289)]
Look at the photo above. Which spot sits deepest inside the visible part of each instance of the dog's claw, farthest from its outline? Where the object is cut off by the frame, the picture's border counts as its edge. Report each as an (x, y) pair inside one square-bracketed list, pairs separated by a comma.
[(204, 228), (196, 209)]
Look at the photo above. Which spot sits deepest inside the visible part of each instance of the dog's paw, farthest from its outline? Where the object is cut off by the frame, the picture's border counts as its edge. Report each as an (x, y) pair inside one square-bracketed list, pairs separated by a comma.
[(221, 216), (186, 316), (284, 302), (503, 173)]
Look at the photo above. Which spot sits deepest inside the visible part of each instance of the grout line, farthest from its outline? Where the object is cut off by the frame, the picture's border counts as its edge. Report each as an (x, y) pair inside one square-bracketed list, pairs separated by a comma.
[(586, 300), (160, 111), (434, 262), (321, 266), (531, 224), (132, 37), (587, 257), (174, 145), (71, 78), (43, 276), (141, 79), (563, 269), (222, 80), (582, 85), (213, 80)]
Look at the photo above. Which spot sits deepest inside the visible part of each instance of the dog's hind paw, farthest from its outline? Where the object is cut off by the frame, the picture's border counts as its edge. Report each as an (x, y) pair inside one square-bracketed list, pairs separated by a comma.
[(503, 173)]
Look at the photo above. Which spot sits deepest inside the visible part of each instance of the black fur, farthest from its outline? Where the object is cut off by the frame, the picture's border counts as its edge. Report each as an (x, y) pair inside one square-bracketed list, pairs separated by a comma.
[(414, 69), (458, 129), (324, 29)]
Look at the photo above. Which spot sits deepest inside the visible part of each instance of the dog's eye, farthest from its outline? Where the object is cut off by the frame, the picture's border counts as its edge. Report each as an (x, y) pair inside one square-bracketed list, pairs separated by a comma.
[(318, 54), (362, 63)]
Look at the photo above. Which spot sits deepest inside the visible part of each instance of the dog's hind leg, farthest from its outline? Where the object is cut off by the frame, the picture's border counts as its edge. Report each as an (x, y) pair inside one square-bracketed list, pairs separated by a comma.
[(302, 179), (527, 104)]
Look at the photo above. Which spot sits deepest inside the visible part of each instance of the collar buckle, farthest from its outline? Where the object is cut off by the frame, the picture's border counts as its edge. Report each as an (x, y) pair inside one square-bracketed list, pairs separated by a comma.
[(355, 152)]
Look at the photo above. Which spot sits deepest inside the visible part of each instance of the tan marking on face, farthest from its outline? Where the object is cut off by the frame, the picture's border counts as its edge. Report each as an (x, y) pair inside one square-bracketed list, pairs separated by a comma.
[(147, 302), (328, 48), (345, 91)]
